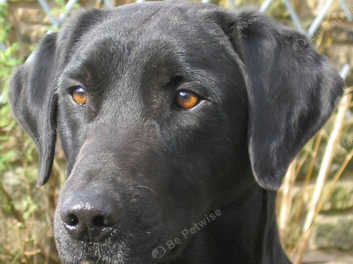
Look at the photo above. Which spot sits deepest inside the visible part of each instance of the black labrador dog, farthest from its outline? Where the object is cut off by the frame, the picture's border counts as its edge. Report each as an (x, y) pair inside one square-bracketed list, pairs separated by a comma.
[(178, 122)]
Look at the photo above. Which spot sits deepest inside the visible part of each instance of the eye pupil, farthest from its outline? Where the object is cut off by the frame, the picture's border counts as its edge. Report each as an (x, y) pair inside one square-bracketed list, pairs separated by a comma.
[(79, 95), (187, 99)]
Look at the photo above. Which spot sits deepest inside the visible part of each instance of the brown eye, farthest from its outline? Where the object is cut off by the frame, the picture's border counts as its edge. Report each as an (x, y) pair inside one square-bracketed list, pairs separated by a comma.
[(79, 95), (187, 99)]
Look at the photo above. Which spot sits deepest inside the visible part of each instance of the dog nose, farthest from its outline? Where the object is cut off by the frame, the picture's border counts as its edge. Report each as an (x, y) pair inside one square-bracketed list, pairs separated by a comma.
[(91, 220)]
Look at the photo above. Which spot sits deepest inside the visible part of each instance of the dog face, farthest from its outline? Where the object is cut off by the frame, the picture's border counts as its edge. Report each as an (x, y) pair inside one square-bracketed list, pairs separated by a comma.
[(166, 111)]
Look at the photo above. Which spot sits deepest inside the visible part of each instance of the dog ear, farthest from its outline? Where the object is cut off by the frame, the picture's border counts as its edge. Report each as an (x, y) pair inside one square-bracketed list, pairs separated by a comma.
[(33, 101), (292, 91)]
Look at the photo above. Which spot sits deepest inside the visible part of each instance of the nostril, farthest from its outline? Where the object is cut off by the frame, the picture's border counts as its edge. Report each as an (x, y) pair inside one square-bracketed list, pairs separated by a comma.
[(100, 221), (72, 220), (90, 219)]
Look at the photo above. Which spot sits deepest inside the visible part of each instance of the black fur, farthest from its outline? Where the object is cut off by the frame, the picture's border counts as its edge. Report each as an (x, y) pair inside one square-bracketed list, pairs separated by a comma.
[(140, 169)]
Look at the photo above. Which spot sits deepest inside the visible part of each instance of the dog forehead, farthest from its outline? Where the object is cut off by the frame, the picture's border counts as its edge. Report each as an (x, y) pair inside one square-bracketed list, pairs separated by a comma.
[(149, 20), (158, 31), (169, 12)]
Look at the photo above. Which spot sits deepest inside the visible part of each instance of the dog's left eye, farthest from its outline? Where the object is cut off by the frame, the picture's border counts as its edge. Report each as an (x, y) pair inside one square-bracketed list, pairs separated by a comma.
[(186, 99), (79, 95)]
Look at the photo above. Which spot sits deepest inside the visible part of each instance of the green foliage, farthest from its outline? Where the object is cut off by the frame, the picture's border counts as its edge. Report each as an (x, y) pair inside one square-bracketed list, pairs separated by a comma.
[(4, 26), (17, 202), (7, 63), (4, 159), (29, 207), (7, 59)]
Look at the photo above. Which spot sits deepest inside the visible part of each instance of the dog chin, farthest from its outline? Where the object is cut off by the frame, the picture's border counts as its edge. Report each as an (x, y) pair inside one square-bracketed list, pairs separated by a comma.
[(112, 253), (98, 253)]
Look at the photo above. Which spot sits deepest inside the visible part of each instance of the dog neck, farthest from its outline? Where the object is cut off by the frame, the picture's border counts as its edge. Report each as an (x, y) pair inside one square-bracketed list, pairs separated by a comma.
[(239, 235)]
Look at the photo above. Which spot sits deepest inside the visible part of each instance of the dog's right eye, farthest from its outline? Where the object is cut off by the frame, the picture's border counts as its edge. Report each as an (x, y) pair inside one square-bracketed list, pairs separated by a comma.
[(79, 95)]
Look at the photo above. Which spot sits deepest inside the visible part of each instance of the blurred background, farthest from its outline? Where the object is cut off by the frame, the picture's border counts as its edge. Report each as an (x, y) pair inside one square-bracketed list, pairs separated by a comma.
[(315, 202)]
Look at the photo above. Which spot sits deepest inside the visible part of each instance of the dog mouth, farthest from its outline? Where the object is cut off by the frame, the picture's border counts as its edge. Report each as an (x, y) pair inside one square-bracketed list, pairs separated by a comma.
[(95, 252), (117, 252), (113, 250)]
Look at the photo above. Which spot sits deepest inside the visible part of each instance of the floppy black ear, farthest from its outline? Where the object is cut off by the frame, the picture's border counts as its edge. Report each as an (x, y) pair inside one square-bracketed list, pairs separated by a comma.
[(292, 91), (33, 101)]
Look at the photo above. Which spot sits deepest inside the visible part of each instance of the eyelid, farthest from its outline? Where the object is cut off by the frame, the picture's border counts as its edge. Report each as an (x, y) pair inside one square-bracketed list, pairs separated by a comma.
[(66, 84), (195, 88)]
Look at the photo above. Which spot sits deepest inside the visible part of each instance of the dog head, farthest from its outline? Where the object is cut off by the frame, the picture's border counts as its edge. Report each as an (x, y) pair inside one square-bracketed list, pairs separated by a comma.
[(166, 111)]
